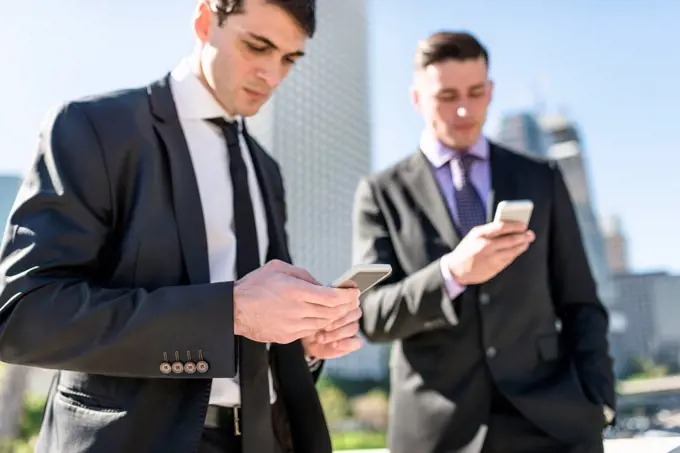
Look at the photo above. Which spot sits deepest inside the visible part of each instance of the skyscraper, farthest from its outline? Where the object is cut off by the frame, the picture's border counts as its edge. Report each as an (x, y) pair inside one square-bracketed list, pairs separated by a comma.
[(567, 150), (650, 302), (558, 139), (522, 132), (616, 243), (317, 125)]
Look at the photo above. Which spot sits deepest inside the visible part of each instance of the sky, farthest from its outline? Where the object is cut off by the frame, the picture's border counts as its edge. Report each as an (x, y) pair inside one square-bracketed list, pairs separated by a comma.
[(609, 65)]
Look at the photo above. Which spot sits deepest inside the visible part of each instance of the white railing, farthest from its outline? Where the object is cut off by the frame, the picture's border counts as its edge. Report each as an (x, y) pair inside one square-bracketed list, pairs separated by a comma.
[(646, 445)]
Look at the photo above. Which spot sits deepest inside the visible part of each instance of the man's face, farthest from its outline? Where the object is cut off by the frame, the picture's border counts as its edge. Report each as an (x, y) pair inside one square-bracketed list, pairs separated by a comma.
[(246, 58), (453, 96)]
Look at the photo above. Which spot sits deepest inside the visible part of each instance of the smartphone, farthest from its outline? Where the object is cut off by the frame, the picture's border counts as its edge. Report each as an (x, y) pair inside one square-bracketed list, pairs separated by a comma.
[(365, 276), (514, 211)]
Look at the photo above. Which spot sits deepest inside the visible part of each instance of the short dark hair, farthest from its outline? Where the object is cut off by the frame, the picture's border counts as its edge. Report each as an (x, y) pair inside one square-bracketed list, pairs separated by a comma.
[(447, 45), (302, 11)]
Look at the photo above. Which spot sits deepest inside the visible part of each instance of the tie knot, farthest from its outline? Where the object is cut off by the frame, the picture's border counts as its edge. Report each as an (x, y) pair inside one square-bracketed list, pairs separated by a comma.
[(465, 160), (229, 128)]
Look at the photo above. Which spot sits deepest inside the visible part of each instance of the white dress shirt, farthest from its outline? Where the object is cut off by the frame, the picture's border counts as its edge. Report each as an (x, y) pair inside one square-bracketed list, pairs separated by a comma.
[(208, 149)]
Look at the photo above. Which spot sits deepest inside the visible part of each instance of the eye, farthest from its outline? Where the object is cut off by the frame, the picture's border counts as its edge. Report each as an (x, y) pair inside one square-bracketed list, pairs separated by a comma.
[(255, 49), (448, 97)]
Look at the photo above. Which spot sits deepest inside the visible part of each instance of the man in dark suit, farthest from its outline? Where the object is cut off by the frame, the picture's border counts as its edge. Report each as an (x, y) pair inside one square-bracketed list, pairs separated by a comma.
[(134, 260), (500, 341)]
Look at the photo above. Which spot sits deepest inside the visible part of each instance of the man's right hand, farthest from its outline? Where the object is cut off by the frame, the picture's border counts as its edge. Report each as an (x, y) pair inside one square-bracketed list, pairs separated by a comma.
[(487, 250), (281, 303)]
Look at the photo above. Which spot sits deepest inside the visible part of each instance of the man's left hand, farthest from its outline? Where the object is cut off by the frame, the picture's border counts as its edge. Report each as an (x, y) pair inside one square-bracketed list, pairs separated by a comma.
[(336, 340)]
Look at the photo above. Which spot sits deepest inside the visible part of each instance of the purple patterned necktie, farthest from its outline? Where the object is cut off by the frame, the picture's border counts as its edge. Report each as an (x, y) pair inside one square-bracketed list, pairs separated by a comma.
[(471, 211)]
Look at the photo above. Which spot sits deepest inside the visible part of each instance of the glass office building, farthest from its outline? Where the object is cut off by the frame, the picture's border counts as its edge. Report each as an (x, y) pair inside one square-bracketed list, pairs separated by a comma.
[(522, 132), (317, 126)]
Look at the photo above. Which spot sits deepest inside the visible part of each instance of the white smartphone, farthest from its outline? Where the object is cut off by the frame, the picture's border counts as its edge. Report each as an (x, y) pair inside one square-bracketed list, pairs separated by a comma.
[(365, 276), (514, 211)]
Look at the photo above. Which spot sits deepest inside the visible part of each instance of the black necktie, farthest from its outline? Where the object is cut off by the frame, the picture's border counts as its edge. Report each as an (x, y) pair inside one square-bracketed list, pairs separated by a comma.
[(258, 434)]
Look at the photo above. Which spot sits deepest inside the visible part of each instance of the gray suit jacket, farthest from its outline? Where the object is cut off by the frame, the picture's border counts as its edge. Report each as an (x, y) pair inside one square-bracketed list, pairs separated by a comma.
[(105, 270), (444, 374)]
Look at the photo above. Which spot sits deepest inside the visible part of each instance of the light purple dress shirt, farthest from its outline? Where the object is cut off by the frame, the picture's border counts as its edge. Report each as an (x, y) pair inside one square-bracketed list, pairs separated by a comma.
[(440, 157)]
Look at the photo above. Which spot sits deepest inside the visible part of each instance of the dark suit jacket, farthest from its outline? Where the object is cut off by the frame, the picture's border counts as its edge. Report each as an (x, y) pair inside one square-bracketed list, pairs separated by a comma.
[(105, 270), (442, 374)]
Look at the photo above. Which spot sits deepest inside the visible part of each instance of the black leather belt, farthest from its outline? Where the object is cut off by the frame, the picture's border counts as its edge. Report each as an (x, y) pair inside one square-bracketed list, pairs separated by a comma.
[(224, 417)]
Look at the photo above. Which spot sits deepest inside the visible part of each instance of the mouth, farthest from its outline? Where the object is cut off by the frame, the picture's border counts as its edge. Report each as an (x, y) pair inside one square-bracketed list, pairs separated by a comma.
[(464, 127), (255, 94)]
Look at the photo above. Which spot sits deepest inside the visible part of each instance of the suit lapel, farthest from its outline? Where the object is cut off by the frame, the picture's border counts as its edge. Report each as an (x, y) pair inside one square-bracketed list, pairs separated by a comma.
[(186, 198), (265, 176), (425, 190), (505, 184)]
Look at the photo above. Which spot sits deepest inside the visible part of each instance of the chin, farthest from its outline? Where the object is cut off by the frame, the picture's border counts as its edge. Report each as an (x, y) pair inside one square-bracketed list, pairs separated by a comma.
[(247, 111), (466, 140)]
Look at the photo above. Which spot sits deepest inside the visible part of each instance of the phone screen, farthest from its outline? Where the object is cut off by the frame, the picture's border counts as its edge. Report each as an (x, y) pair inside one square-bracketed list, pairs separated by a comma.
[(364, 280)]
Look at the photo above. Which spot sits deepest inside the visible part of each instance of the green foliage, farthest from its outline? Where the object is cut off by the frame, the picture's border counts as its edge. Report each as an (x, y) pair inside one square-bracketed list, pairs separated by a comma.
[(639, 368), (335, 404), (355, 387), (359, 440), (29, 427), (32, 417), (19, 446)]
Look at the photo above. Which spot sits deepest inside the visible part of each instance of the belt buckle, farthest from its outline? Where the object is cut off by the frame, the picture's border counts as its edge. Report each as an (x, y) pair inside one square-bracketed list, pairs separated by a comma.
[(237, 420)]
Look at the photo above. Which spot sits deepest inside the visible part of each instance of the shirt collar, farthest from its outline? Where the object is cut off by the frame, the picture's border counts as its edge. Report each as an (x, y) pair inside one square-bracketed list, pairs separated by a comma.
[(439, 154), (192, 99)]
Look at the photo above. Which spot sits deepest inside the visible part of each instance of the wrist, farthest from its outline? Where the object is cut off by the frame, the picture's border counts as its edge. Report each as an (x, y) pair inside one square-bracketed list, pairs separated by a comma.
[(237, 302), (454, 269)]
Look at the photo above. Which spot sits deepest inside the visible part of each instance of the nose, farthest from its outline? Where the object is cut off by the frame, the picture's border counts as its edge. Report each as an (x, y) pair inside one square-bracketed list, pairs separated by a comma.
[(461, 112), (271, 73)]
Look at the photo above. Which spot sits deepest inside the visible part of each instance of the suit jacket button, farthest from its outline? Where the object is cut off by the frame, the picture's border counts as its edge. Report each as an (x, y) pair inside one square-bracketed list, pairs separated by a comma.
[(202, 366), (484, 299), (165, 368), (491, 352), (190, 367), (177, 367)]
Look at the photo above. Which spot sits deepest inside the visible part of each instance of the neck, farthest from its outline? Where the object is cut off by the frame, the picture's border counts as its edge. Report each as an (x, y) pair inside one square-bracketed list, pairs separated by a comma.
[(197, 69), (451, 144)]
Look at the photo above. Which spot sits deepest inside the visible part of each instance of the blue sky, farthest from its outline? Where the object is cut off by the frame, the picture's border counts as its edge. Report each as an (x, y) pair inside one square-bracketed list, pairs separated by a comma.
[(609, 64)]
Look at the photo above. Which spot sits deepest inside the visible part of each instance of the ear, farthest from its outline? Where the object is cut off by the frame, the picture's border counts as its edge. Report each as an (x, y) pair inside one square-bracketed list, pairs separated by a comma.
[(415, 97), (203, 17), (489, 94)]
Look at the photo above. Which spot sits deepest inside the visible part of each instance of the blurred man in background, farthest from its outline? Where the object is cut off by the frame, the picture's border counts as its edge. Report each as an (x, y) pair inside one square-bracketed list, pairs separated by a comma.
[(133, 260), (480, 362)]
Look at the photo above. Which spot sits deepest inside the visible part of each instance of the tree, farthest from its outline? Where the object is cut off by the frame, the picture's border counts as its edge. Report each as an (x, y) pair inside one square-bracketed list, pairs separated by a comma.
[(643, 368), (335, 404), (13, 388), (372, 409)]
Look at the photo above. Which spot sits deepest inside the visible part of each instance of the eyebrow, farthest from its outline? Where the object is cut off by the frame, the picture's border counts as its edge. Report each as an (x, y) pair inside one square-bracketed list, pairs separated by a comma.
[(270, 44)]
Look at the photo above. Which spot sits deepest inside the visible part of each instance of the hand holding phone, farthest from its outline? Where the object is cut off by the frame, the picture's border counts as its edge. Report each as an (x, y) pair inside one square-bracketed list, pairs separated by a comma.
[(490, 248), (342, 336)]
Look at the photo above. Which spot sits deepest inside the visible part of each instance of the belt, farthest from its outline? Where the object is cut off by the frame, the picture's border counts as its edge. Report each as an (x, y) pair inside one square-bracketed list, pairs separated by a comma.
[(223, 417)]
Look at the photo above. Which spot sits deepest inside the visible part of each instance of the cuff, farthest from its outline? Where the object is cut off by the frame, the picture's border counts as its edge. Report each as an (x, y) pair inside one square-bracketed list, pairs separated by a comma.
[(313, 363), (451, 286)]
